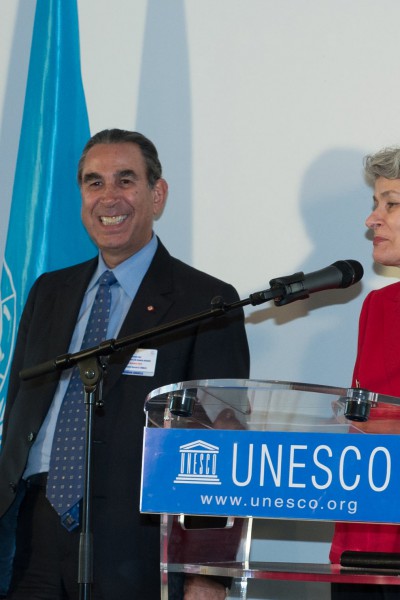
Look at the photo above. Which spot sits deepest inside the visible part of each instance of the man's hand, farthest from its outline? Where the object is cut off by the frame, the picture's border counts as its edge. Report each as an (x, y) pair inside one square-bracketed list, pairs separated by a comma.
[(199, 587)]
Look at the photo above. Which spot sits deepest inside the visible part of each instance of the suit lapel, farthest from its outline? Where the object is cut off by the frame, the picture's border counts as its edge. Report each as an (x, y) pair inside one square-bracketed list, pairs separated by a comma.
[(67, 304), (61, 309), (149, 309)]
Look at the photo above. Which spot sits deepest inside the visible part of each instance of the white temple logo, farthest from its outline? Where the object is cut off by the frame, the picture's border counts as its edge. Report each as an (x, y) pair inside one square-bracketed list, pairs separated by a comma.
[(198, 463), (8, 328)]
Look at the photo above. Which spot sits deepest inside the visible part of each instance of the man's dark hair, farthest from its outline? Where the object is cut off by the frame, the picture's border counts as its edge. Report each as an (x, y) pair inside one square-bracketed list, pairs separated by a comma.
[(121, 136)]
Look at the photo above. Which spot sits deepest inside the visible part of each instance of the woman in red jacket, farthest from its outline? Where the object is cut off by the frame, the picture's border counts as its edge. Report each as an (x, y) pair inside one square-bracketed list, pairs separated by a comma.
[(377, 366)]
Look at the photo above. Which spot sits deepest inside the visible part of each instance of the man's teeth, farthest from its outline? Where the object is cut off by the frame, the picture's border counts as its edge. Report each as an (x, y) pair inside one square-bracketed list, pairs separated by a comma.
[(113, 220)]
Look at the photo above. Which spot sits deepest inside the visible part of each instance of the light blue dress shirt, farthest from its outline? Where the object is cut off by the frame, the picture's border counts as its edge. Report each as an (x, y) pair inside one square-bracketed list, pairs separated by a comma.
[(129, 275)]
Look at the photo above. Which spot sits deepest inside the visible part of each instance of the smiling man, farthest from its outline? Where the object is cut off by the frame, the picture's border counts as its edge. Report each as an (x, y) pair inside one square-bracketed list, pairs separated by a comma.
[(119, 202), (132, 285)]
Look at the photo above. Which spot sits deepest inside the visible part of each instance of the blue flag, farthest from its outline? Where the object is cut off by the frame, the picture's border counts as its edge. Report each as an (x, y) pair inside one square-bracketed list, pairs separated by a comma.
[(45, 230)]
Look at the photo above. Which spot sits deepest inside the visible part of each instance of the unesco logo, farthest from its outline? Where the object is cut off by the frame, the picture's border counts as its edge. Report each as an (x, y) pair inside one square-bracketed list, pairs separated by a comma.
[(8, 327), (198, 463)]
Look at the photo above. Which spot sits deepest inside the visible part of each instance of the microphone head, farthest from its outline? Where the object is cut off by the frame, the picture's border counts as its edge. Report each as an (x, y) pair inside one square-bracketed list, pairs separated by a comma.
[(351, 270)]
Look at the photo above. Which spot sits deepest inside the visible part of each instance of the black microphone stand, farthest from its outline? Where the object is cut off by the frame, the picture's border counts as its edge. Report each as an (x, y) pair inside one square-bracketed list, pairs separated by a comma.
[(91, 367), (91, 373)]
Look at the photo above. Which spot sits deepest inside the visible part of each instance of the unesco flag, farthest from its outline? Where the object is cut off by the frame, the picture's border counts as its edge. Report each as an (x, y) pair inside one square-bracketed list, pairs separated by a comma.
[(45, 230)]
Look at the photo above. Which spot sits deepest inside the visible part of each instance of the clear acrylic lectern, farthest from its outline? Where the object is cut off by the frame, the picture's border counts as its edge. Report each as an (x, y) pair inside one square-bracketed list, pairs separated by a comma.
[(219, 454)]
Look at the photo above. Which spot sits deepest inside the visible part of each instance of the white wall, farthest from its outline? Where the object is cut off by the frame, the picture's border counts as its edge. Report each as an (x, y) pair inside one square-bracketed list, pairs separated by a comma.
[(262, 111)]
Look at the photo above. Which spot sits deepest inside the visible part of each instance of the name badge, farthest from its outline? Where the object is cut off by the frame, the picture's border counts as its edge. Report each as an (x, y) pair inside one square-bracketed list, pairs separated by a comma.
[(143, 362)]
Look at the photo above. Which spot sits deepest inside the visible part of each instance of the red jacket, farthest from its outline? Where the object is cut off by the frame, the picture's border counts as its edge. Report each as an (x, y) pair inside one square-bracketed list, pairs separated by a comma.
[(377, 368)]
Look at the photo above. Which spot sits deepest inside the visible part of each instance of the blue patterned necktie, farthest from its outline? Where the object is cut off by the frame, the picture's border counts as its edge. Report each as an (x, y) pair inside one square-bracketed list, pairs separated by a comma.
[(66, 474)]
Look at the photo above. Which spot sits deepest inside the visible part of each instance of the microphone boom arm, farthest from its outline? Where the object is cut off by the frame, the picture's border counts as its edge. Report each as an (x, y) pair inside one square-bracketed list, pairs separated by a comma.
[(108, 347), (283, 290)]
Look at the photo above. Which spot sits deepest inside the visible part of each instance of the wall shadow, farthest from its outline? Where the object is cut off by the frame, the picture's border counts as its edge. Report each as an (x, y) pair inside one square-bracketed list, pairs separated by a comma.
[(334, 205), (319, 335)]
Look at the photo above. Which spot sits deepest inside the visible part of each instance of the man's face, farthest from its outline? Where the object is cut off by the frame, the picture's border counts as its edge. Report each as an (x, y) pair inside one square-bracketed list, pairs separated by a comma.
[(118, 207), (385, 221)]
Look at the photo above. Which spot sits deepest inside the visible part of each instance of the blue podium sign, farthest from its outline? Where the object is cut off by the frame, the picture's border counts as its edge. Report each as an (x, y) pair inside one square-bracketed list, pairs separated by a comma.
[(280, 475)]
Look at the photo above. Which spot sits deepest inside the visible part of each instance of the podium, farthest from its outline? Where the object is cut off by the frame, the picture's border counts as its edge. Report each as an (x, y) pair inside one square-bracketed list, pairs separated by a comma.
[(218, 455)]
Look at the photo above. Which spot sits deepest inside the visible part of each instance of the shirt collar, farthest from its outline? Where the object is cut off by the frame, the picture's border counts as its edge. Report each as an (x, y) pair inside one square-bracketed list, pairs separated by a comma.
[(131, 271)]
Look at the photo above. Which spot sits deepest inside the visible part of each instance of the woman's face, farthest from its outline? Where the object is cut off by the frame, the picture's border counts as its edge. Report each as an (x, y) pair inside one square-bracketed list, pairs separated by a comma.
[(384, 221)]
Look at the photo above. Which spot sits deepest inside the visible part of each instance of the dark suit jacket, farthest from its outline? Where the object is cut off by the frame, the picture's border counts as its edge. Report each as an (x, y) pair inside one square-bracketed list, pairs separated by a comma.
[(126, 543)]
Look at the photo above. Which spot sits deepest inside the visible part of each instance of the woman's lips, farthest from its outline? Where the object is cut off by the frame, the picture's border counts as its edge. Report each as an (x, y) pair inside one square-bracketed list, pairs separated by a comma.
[(378, 240)]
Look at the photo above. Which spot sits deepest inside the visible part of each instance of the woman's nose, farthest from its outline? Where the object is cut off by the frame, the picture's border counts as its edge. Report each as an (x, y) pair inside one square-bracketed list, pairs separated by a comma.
[(374, 219)]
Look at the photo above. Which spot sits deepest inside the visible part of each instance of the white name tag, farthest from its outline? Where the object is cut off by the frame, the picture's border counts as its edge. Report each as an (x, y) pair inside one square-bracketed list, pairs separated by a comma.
[(143, 362)]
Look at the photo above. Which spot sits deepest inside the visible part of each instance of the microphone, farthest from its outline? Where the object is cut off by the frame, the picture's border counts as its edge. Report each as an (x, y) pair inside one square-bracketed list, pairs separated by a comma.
[(341, 274)]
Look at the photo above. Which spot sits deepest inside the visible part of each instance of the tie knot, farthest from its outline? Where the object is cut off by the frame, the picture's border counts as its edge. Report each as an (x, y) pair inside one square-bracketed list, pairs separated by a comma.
[(107, 278)]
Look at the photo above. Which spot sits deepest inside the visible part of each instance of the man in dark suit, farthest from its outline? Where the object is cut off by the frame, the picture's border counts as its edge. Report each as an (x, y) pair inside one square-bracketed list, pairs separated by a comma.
[(122, 193)]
